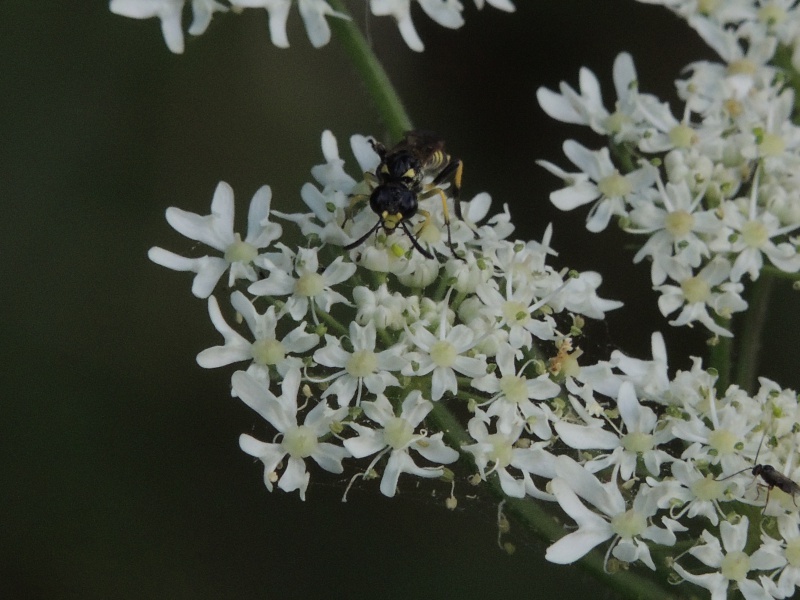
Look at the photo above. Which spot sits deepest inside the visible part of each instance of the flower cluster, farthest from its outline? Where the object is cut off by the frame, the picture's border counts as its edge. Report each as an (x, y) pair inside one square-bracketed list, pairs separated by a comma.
[(362, 359), (353, 331), (715, 189), (314, 13)]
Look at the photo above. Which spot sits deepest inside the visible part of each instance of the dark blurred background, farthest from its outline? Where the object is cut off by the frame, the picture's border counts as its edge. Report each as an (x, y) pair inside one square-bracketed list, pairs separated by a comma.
[(121, 475)]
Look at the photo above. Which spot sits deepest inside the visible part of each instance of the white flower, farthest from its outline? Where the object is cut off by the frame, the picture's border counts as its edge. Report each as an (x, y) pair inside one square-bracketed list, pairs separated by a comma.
[(641, 438), (216, 230), (710, 288), (445, 12), (502, 452), (169, 11), (755, 231), (298, 441), (312, 11), (718, 443), (514, 312), (330, 205), (790, 574), (444, 354), (383, 309), (732, 565), (628, 526), (505, 5), (586, 107), (579, 295), (599, 181), (266, 350), (679, 230), (308, 288), (397, 438), (361, 367), (694, 493), (650, 377), (512, 394)]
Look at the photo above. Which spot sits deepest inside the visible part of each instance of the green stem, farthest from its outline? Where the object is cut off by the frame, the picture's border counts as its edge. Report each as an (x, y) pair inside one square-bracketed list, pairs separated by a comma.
[(372, 73), (752, 330), (721, 359), (783, 60), (331, 321), (544, 526), (776, 273)]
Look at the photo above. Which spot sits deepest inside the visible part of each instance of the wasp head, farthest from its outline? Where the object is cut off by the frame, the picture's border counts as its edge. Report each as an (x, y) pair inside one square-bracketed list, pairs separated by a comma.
[(393, 202)]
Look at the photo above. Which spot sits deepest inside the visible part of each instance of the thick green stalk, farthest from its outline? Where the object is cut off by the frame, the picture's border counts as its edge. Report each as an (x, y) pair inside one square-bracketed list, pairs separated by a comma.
[(721, 358), (752, 332), (783, 60), (372, 73)]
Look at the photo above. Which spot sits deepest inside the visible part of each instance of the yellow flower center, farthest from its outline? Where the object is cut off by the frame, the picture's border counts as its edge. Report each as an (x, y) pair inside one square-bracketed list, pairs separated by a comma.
[(708, 488), (679, 223), (240, 251), (755, 234), (771, 14), (723, 441), (614, 185), (309, 284), (638, 442), (695, 289), (443, 353), (514, 388), (515, 313), (628, 524), (615, 121), (362, 363), (501, 452), (706, 7), (793, 551), (743, 66), (267, 352), (771, 145), (735, 566), (682, 136), (300, 442), (398, 433)]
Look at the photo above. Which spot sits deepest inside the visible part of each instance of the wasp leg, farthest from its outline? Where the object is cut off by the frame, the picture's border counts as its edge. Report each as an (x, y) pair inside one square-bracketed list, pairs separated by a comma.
[(429, 194), (372, 181), (453, 172), (355, 199), (454, 169), (766, 503), (759, 487)]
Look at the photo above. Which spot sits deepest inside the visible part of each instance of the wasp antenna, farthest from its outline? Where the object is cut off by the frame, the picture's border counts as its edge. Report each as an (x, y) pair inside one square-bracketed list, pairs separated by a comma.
[(737, 473), (363, 238), (760, 444), (414, 241)]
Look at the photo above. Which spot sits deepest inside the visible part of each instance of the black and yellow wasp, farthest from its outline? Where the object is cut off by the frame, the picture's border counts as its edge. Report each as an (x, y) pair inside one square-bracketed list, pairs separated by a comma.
[(401, 181)]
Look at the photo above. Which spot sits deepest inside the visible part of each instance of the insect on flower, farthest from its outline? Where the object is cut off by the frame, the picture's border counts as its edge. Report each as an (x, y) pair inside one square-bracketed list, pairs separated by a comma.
[(770, 476), (399, 183)]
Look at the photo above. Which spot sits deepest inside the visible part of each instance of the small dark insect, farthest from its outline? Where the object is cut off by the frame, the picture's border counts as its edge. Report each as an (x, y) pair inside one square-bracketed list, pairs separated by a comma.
[(398, 185), (770, 477)]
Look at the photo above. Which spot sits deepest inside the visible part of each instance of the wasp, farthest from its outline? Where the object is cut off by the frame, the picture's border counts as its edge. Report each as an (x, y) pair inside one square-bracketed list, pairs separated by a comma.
[(771, 478), (401, 181)]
